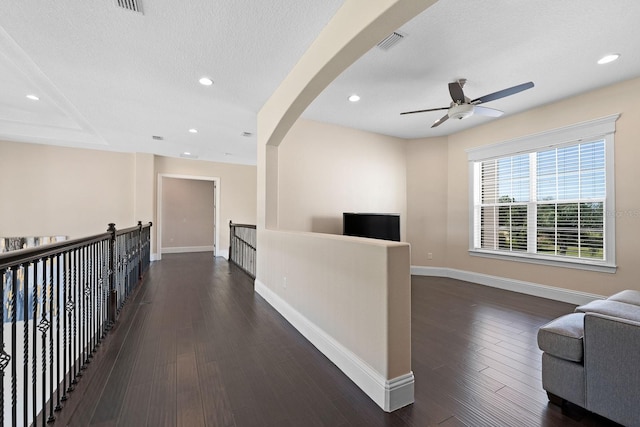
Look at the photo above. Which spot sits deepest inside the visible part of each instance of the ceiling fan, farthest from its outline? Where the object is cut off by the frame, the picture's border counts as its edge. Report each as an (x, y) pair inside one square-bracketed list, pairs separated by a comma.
[(462, 107)]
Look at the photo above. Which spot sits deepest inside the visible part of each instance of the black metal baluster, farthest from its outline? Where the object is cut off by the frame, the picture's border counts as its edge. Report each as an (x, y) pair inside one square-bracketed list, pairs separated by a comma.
[(76, 304), (25, 340), (90, 302), (103, 287), (58, 312), (43, 326), (80, 312), (83, 307), (139, 250), (91, 315), (121, 277), (69, 306), (99, 282), (4, 357), (63, 313), (108, 283), (112, 275), (87, 306), (12, 314), (130, 264), (125, 270), (121, 273), (50, 293), (34, 356), (123, 265), (100, 300), (98, 293)]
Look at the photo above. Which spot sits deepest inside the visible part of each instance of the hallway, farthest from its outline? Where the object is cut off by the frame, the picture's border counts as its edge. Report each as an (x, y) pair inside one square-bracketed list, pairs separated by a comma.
[(196, 346)]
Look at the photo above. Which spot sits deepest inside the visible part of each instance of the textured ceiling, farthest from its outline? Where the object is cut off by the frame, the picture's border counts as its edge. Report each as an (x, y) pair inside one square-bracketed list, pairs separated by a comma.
[(111, 79), (494, 44)]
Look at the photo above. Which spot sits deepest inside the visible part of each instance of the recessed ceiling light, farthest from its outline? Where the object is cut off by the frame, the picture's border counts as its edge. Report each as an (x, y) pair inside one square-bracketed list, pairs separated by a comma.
[(193, 130), (608, 58), (186, 153), (33, 97), (354, 98), (206, 81)]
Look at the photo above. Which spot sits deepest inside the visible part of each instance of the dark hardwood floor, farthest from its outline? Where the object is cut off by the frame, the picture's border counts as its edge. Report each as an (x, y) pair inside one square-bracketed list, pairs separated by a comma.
[(195, 346)]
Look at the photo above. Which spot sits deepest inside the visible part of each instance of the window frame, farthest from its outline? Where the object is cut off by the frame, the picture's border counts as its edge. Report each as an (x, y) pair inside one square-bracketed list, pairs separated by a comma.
[(585, 132)]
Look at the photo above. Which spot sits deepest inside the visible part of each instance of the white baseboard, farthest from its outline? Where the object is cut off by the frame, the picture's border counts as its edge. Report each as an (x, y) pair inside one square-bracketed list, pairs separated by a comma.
[(529, 288), (388, 394), (186, 249), (223, 253)]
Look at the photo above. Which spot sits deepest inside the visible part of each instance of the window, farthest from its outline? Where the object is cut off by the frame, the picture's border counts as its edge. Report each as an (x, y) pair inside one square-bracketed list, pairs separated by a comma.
[(546, 198)]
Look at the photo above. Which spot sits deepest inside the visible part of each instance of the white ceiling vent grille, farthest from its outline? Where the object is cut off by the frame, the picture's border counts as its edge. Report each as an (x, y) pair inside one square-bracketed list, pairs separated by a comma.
[(132, 5), (391, 40)]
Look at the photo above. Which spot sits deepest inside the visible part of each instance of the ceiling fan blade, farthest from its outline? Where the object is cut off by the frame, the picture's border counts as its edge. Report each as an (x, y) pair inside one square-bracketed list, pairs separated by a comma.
[(440, 121), (486, 111), (456, 92), (425, 111), (502, 93)]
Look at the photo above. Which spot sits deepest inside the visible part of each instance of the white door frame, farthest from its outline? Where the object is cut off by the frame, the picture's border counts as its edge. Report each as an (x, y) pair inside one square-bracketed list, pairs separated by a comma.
[(216, 201)]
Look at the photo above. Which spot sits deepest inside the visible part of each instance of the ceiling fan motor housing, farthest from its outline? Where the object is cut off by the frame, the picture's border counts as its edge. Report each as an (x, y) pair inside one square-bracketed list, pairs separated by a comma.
[(460, 111)]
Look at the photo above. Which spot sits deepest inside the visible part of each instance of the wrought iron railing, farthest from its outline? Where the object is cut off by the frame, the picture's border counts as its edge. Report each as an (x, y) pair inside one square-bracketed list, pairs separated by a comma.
[(59, 301), (242, 247)]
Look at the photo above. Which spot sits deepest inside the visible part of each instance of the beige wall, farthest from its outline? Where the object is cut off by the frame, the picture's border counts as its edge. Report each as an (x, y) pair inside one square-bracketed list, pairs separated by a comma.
[(325, 170), (237, 188), (47, 190), (187, 213), (144, 195), (619, 98), (366, 316), (426, 189)]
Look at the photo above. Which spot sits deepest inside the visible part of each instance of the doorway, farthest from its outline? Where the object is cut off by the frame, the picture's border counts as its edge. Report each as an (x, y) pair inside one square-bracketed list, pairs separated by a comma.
[(187, 208)]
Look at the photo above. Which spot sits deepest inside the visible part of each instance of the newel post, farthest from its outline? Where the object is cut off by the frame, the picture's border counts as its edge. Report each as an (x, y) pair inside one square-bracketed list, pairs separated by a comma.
[(113, 296), (139, 250), (231, 233)]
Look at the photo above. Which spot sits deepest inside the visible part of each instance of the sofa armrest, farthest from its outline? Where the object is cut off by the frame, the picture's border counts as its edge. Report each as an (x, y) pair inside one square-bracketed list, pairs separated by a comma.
[(612, 367)]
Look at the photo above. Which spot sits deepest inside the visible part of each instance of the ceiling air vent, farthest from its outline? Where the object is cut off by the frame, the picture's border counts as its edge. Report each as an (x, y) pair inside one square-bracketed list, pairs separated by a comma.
[(132, 5), (391, 40)]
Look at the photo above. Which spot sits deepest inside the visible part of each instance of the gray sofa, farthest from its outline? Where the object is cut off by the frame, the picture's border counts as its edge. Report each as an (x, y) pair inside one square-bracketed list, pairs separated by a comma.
[(592, 357)]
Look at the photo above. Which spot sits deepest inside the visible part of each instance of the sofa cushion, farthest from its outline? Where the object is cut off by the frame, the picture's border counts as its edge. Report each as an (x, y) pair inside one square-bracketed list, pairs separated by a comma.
[(562, 337), (612, 308), (629, 296)]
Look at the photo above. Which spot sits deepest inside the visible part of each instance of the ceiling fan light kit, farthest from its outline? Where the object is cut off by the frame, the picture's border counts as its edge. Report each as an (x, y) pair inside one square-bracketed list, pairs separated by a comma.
[(460, 111)]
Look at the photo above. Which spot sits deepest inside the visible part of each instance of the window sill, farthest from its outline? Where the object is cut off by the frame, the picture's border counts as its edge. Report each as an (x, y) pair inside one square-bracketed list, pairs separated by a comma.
[(542, 260)]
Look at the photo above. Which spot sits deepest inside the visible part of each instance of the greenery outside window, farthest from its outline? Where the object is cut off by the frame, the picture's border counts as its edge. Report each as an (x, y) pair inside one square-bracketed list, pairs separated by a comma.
[(547, 198)]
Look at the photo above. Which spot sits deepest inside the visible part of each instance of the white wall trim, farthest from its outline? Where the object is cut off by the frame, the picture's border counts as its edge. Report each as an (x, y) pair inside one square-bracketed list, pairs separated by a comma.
[(388, 394), (589, 129), (154, 257), (529, 288), (224, 253), (185, 249)]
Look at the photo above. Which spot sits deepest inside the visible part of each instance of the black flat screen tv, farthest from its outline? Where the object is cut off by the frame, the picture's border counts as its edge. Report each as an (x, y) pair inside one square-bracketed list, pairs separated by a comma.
[(372, 225)]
